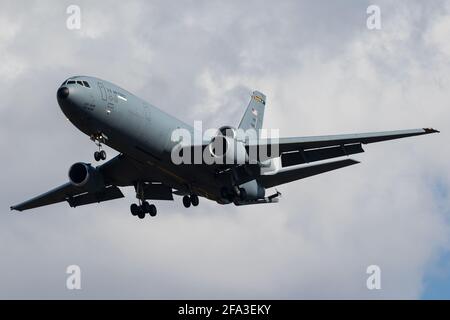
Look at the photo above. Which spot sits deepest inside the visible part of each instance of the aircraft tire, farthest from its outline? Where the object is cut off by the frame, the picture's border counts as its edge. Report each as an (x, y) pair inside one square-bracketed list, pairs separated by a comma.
[(152, 210), (141, 215), (194, 200), (186, 201), (134, 209), (146, 207)]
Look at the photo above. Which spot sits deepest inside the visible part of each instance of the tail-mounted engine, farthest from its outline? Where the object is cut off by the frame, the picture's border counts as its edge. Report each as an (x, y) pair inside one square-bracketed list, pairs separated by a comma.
[(226, 147)]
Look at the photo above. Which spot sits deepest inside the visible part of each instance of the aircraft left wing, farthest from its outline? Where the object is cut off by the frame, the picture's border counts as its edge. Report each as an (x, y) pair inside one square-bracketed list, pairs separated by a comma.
[(299, 150), (286, 175)]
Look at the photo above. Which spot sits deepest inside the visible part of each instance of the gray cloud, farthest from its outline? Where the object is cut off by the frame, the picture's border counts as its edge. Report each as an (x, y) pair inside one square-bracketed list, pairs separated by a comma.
[(323, 72)]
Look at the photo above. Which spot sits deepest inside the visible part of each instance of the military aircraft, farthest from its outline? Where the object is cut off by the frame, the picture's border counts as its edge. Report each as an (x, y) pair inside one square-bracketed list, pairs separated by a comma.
[(144, 137)]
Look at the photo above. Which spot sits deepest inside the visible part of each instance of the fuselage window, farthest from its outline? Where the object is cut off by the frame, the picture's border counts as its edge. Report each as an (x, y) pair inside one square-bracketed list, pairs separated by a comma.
[(86, 84)]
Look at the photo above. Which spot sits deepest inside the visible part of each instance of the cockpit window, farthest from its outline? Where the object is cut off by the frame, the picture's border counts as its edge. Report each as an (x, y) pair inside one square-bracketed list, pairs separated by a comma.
[(86, 84), (70, 82), (80, 83)]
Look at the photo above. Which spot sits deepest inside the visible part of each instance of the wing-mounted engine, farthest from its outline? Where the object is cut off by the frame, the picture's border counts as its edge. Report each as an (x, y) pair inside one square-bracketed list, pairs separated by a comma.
[(227, 147), (84, 175)]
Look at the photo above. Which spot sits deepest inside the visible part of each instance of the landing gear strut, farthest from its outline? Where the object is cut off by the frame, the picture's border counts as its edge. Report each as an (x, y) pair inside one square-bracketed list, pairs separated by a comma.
[(141, 209), (192, 199), (98, 139)]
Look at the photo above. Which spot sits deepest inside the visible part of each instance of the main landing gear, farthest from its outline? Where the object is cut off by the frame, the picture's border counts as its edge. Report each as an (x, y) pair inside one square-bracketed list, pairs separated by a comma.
[(143, 207), (98, 139), (192, 199)]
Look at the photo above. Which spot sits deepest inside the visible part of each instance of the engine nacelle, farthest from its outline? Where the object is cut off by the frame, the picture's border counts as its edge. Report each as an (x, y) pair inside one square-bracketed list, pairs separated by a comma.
[(84, 175), (253, 190), (225, 148)]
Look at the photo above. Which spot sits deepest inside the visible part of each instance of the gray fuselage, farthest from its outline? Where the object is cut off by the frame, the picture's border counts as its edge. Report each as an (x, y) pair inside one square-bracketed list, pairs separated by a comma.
[(136, 129)]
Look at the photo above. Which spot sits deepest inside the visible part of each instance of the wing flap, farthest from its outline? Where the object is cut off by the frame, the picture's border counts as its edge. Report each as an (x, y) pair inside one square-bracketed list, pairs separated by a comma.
[(298, 157), (109, 193), (291, 174)]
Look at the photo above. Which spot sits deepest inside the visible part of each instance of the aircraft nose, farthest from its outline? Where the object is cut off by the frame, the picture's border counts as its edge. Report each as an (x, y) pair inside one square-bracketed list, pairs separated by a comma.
[(62, 93)]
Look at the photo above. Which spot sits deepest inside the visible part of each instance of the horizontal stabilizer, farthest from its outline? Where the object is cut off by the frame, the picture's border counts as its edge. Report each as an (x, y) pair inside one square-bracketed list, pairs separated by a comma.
[(287, 175), (270, 199)]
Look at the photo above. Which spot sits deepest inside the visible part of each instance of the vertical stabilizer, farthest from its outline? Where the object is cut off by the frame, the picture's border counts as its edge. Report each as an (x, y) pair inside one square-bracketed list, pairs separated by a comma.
[(254, 114)]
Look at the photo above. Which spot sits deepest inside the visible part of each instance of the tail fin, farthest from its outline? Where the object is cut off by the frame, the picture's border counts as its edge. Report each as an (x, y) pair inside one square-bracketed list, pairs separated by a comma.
[(254, 114)]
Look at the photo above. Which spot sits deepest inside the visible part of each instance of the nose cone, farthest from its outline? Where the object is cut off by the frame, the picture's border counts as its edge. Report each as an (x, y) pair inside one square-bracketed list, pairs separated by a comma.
[(62, 93)]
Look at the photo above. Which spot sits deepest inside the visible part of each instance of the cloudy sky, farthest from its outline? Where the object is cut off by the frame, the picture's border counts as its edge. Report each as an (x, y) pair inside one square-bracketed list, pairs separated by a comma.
[(323, 71)]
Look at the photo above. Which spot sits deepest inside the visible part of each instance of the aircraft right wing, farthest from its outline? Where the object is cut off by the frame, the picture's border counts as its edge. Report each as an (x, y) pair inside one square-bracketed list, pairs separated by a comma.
[(119, 171), (75, 196)]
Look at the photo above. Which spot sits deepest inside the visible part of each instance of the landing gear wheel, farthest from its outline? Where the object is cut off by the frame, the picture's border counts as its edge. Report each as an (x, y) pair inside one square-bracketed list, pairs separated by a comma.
[(102, 155), (97, 156), (146, 207), (186, 201), (152, 210), (141, 214), (134, 208), (194, 200)]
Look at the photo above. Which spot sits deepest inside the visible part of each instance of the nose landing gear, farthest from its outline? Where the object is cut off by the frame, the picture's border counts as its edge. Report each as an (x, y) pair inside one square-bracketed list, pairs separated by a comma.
[(100, 155), (99, 139)]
